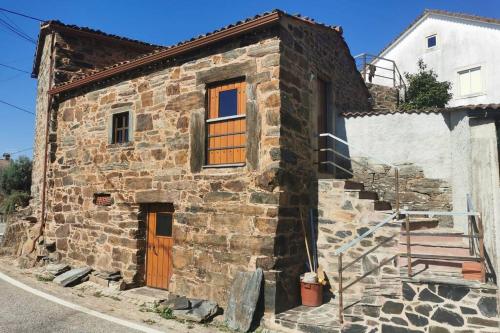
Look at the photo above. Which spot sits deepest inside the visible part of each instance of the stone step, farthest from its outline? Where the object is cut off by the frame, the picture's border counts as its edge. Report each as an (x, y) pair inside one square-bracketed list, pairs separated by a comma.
[(420, 223), (444, 250), (382, 205), (352, 185), (431, 239), (367, 195)]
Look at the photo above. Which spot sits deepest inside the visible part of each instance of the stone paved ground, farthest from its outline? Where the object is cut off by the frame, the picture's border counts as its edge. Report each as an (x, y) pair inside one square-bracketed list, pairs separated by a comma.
[(122, 307), (310, 319)]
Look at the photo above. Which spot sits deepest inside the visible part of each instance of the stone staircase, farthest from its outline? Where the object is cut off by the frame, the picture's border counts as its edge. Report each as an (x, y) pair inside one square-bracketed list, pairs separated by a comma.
[(379, 266)]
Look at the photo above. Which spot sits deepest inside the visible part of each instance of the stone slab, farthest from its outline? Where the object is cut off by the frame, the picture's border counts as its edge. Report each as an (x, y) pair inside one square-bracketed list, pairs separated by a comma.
[(200, 311), (72, 276), (243, 299)]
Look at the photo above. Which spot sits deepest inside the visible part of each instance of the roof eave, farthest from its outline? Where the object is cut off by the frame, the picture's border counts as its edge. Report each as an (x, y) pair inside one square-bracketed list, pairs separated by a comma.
[(260, 22)]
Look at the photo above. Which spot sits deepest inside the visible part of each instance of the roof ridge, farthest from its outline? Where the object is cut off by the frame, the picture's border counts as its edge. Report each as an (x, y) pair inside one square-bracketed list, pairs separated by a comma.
[(167, 49), (438, 12)]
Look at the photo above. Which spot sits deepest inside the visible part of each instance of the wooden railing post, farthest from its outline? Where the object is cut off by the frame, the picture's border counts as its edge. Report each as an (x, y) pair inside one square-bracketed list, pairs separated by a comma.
[(341, 296), (481, 248), (408, 245)]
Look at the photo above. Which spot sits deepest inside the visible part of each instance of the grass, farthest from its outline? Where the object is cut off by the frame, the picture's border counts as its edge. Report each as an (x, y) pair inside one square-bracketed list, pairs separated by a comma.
[(43, 278), (97, 294), (166, 313)]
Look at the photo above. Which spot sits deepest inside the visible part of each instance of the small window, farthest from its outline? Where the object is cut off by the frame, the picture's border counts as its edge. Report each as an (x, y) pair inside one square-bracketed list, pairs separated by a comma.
[(164, 224), (226, 124), (431, 41), (470, 81), (120, 128)]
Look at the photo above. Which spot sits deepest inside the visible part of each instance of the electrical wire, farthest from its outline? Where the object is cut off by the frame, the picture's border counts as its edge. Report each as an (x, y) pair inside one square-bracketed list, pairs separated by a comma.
[(18, 32), (20, 14), (22, 151), (17, 107), (14, 68)]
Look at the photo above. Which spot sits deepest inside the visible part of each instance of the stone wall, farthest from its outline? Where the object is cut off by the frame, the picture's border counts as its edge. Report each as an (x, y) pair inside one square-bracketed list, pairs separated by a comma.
[(434, 308), (383, 98), (43, 85), (308, 52), (77, 55), (415, 190), (225, 218), (74, 56)]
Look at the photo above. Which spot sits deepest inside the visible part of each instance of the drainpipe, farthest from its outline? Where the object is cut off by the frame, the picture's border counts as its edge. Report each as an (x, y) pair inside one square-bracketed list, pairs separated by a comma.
[(47, 126)]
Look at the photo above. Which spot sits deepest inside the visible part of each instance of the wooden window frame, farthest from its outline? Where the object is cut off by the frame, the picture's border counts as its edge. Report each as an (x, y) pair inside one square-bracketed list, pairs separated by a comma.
[(125, 130), (226, 137)]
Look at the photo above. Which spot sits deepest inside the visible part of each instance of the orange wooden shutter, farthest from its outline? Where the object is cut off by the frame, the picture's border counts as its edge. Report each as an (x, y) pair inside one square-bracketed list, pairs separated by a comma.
[(226, 137)]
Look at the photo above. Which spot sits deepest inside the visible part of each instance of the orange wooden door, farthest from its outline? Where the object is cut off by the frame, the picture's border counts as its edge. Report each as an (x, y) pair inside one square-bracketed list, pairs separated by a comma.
[(159, 255)]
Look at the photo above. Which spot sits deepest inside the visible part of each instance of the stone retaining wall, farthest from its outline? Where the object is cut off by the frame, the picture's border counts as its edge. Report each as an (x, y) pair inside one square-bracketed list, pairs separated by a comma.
[(434, 308)]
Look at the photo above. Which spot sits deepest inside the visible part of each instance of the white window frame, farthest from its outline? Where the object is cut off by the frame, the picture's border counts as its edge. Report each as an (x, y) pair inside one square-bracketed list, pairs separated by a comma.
[(461, 70)]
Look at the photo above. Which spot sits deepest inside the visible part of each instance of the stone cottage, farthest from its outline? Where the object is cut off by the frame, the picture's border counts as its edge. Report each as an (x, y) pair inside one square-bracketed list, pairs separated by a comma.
[(183, 165)]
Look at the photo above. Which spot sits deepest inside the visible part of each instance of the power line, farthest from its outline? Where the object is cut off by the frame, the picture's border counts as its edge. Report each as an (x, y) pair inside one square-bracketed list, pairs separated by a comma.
[(21, 151), (14, 68), (16, 31), (20, 14), (13, 25), (17, 107)]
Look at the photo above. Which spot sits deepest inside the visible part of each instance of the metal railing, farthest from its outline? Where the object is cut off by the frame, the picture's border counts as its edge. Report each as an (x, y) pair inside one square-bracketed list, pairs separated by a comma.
[(474, 219), (384, 70), (327, 148), (472, 215)]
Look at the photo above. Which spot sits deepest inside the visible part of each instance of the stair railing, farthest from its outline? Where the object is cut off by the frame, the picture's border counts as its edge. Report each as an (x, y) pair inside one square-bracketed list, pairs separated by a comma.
[(368, 65), (332, 149), (471, 236), (349, 245)]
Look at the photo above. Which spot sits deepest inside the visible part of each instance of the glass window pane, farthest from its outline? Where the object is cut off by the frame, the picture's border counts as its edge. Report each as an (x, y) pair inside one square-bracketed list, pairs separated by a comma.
[(119, 137), (431, 41), (464, 80), (228, 103), (126, 135), (164, 224), (475, 80)]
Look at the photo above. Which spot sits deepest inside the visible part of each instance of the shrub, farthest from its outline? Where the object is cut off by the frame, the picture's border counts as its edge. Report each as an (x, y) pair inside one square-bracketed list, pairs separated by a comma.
[(424, 90)]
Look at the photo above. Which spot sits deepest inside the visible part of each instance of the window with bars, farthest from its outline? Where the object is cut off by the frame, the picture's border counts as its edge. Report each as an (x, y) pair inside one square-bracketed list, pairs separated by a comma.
[(226, 124), (120, 128)]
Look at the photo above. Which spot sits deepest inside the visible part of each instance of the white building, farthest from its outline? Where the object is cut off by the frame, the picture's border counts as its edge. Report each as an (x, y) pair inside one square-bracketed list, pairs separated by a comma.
[(462, 49)]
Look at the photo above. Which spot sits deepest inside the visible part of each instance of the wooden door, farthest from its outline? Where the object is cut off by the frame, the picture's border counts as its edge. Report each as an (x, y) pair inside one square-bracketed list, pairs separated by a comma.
[(159, 249)]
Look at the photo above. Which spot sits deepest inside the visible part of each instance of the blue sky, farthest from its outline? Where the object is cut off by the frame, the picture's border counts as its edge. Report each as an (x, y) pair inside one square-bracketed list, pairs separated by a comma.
[(368, 27)]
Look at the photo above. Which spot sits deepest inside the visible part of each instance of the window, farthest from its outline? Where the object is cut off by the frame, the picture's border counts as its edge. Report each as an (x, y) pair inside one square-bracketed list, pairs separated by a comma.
[(431, 41), (470, 81), (120, 128), (226, 124), (164, 224)]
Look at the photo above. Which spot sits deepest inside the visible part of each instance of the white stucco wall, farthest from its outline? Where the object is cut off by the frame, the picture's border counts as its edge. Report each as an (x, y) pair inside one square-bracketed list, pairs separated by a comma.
[(398, 138), (461, 44), (449, 146)]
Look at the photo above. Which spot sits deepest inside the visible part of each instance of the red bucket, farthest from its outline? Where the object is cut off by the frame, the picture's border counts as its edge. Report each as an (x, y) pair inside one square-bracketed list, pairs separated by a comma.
[(311, 293)]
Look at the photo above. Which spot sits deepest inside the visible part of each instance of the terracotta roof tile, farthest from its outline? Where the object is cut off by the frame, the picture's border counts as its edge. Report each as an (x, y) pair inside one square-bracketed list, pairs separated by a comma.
[(472, 107), (198, 38), (443, 13)]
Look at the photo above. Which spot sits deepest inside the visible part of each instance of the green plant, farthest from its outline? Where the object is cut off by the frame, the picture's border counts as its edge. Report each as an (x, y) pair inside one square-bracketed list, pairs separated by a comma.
[(166, 313), (16, 177), (424, 90), (14, 200)]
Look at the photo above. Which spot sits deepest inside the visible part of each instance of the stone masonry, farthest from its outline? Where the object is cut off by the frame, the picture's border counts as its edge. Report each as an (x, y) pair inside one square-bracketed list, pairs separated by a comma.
[(226, 220)]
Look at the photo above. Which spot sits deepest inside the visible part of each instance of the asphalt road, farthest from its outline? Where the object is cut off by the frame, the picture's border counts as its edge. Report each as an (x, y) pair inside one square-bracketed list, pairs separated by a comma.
[(21, 311)]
